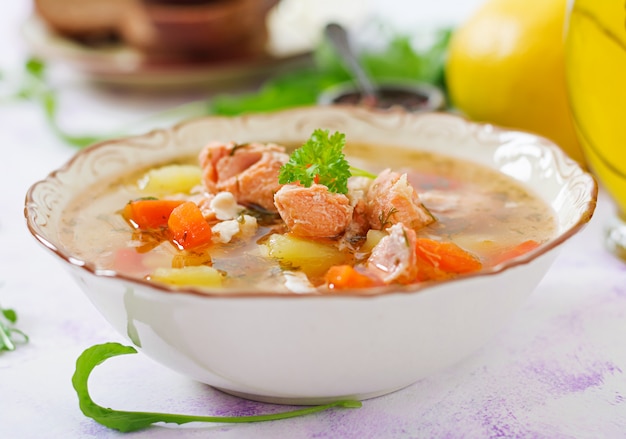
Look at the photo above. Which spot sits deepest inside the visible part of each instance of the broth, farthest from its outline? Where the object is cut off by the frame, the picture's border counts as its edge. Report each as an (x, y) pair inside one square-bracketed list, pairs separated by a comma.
[(481, 210)]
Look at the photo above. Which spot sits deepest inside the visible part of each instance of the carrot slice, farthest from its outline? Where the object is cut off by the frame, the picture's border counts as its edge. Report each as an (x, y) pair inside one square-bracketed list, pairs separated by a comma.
[(426, 271), (446, 256), (187, 226), (517, 250), (149, 213), (346, 276)]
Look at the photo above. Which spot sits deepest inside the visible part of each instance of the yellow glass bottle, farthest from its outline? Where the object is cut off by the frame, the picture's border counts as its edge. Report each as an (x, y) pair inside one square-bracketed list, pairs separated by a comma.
[(595, 47)]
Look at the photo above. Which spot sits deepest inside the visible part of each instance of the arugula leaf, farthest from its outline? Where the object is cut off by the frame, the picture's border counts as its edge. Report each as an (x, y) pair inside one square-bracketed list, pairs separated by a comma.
[(9, 314), (127, 421), (7, 331)]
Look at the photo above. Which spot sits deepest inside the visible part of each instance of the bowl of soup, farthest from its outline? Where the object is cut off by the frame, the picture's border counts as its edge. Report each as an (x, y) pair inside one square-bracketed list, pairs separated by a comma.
[(312, 254)]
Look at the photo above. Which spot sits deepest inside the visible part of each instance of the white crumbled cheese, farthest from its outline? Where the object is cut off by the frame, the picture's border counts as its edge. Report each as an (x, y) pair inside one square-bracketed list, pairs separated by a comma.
[(224, 231), (225, 206), (247, 225), (297, 282)]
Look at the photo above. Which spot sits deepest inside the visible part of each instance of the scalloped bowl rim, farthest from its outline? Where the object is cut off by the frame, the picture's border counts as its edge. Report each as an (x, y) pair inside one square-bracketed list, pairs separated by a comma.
[(559, 155), (267, 347)]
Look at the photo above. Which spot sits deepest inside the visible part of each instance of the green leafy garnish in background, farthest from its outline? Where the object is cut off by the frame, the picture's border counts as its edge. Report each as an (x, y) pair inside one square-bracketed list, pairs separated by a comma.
[(397, 59), (127, 421), (8, 318), (320, 160), (34, 87)]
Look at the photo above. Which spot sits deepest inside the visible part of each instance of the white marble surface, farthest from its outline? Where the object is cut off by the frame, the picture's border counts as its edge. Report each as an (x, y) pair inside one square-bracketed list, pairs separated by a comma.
[(557, 370)]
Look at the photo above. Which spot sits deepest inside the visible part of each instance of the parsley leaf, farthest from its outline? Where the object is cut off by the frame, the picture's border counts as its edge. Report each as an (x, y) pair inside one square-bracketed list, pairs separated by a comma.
[(126, 421), (319, 160)]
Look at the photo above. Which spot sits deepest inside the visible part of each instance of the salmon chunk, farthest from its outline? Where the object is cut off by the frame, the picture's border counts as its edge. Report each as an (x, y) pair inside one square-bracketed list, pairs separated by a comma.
[(393, 259), (248, 171), (391, 200), (313, 212), (258, 184), (357, 194), (208, 159)]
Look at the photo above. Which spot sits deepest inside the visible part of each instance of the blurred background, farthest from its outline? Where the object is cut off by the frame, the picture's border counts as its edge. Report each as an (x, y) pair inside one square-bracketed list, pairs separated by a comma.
[(138, 64), (135, 60), (70, 76)]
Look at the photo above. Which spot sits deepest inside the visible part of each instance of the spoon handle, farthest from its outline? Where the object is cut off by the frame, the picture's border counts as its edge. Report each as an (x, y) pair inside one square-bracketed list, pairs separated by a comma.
[(339, 37)]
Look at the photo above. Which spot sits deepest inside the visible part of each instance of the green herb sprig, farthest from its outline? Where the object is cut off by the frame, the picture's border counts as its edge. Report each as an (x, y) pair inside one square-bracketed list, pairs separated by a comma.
[(35, 87), (127, 421), (399, 58), (320, 160), (8, 342)]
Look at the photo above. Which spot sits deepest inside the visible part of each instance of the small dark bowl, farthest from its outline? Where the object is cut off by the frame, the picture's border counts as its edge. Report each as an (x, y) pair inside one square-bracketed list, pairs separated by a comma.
[(411, 96)]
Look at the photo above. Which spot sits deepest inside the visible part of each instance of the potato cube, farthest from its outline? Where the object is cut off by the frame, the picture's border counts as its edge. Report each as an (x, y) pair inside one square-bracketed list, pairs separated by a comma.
[(170, 179), (373, 238), (191, 276), (312, 257)]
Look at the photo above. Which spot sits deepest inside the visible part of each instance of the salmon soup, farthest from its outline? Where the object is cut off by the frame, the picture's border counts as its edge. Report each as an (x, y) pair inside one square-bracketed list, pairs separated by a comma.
[(227, 219)]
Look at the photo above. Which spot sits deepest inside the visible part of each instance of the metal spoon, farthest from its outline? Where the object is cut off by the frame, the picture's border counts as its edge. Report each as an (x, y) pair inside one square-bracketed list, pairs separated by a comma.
[(338, 36)]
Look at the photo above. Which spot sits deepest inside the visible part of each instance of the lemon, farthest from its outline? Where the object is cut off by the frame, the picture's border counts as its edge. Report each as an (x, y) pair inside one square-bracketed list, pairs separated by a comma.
[(506, 66)]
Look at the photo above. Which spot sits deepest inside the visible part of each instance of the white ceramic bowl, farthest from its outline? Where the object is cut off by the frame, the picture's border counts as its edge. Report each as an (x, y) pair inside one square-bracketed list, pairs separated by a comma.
[(307, 349)]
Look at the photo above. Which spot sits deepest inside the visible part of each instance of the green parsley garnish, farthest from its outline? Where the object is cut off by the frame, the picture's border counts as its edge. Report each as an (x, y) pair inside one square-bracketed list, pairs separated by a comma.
[(320, 160), (397, 57), (8, 317), (127, 421)]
